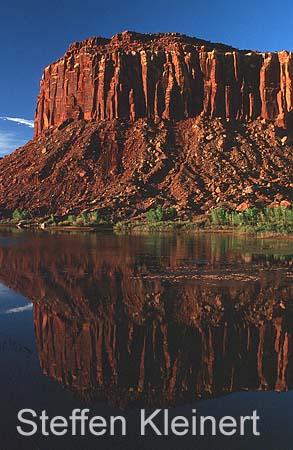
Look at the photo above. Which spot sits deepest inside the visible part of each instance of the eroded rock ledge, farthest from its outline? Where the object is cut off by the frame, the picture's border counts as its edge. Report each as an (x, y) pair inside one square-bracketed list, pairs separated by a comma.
[(169, 76)]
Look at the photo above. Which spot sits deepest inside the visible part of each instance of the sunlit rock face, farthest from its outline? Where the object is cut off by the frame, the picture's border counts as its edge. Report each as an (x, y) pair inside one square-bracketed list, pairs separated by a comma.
[(169, 76), (127, 123), (156, 321)]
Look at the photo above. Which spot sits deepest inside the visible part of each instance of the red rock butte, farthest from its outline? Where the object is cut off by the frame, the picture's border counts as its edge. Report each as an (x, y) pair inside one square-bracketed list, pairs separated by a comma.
[(127, 123), (169, 76)]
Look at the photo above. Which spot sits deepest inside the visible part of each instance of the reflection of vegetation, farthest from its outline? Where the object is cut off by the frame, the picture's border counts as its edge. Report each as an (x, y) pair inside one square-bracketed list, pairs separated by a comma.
[(277, 250)]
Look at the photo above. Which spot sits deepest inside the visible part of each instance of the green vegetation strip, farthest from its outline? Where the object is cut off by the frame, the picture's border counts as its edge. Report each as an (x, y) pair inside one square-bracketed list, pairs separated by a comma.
[(275, 220)]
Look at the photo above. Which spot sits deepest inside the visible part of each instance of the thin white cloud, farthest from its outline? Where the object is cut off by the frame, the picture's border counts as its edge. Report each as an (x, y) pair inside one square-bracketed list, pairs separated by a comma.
[(20, 120), (9, 142), (19, 309)]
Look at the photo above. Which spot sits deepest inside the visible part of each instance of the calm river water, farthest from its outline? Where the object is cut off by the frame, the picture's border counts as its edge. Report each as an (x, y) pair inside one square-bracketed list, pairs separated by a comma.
[(119, 323)]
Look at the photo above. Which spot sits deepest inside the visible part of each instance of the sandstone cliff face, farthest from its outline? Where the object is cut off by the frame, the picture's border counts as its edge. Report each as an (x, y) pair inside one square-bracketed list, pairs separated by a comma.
[(126, 124), (168, 76)]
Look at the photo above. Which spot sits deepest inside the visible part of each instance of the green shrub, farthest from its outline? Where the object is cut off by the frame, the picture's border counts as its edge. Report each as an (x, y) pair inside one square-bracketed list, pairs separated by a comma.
[(52, 220), (279, 220), (155, 214), (85, 219), (95, 217), (220, 216), (170, 213), (159, 214), (20, 214), (71, 219), (91, 218)]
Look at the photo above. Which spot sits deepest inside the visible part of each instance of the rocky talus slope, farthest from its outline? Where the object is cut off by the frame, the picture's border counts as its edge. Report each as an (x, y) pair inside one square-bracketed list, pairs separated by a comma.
[(136, 120)]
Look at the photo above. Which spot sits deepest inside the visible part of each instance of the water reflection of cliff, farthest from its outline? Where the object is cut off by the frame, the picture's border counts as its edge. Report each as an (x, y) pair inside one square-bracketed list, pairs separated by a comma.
[(132, 320)]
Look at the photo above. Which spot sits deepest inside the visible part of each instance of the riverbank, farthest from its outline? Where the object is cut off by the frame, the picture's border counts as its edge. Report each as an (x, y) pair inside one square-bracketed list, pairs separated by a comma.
[(139, 227), (39, 226), (267, 222), (142, 227)]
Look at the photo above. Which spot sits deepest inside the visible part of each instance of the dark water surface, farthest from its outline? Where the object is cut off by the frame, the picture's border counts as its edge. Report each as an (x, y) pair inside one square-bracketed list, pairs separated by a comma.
[(119, 323)]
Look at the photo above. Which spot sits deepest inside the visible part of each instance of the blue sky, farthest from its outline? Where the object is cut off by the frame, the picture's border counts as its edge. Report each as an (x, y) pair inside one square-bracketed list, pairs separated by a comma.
[(35, 33)]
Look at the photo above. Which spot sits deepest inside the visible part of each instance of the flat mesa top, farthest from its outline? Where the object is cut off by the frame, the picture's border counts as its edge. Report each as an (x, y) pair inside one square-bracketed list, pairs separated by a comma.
[(131, 40)]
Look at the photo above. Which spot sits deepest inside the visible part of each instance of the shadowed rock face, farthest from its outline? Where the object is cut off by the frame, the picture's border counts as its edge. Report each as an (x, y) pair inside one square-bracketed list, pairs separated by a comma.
[(156, 321), (127, 123), (167, 76)]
